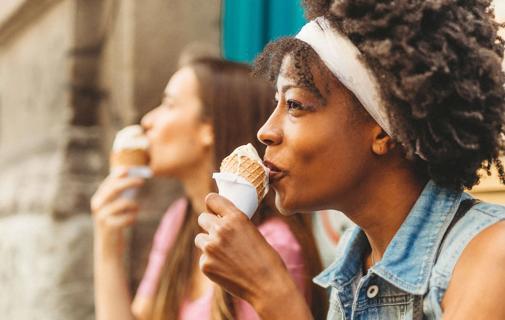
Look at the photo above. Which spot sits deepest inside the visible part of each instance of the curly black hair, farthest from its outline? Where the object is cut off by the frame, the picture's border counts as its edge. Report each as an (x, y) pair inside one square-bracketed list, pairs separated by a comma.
[(439, 65)]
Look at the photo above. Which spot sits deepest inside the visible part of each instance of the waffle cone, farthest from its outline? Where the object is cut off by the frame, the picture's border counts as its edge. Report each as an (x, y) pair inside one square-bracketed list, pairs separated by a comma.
[(129, 158), (248, 169)]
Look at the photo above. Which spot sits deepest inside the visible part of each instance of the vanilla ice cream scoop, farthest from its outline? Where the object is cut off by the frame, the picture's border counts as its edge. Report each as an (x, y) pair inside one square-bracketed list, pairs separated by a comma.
[(130, 151), (131, 137), (130, 148), (243, 179), (247, 150), (245, 162)]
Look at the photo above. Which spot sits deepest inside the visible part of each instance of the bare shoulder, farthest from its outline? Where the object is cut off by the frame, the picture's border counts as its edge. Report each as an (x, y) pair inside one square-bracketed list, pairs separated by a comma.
[(489, 244), (478, 282)]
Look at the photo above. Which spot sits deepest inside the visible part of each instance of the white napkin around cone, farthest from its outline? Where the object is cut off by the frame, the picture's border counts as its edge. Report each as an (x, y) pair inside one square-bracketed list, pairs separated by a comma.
[(238, 190), (135, 172)]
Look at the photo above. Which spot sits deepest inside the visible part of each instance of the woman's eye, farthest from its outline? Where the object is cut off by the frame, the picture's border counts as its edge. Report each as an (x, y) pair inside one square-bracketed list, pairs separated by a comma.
[(294, 105)]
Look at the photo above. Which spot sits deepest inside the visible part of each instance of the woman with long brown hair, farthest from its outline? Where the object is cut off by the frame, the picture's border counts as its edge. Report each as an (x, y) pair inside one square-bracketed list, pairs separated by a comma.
[(210, 106)]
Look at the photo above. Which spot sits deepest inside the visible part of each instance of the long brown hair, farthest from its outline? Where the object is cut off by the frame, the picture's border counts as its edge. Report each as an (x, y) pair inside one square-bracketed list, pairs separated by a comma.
[(236, 105)]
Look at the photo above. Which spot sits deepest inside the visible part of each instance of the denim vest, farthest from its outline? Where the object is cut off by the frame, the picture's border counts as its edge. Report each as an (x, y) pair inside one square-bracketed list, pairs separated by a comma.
[(410, 280)]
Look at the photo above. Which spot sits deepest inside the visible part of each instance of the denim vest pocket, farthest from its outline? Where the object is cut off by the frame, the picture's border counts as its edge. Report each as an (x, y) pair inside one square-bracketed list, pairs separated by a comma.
[(400, 306)]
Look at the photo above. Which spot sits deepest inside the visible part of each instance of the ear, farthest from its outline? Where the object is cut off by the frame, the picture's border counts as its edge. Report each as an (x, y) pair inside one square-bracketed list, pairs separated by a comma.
[(206, 134), (382, 142)]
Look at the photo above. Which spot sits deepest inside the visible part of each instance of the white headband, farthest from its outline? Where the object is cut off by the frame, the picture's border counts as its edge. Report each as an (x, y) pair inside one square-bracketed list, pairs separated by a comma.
[(344, 60)]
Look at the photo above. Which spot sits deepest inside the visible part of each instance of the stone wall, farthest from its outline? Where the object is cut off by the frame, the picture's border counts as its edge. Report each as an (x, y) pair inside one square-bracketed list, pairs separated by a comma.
[(40, 255), (72, 72)]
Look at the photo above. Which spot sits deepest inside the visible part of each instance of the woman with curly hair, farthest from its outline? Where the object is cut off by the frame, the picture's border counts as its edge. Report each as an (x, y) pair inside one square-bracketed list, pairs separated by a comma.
[(386, 110)]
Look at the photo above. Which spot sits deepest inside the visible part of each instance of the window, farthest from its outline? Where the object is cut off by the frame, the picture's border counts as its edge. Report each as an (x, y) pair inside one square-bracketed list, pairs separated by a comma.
[(248, 25)]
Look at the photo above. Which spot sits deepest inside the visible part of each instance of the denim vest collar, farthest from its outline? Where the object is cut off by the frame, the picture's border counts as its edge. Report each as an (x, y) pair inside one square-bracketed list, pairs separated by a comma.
[(409, 257)]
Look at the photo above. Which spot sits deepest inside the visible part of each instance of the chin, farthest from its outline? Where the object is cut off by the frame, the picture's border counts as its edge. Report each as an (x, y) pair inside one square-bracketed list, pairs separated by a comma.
[(281, 207), (161, 171), (288, 209), (156, 170)]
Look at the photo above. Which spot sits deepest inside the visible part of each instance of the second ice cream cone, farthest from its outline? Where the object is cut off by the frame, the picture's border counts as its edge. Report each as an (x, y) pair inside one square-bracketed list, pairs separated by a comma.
[(129, 158)]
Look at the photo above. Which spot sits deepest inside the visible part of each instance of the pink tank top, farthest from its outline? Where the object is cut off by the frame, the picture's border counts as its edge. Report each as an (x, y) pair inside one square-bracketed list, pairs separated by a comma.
[(276, 233)]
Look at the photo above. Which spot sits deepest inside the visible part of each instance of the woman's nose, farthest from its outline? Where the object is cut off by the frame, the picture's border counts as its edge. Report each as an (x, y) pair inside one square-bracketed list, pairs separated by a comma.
[(270, 133), (147, 120)]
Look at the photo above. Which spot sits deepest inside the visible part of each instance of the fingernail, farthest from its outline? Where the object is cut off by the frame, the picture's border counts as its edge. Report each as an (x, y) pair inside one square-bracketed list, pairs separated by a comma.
[(119, 171)]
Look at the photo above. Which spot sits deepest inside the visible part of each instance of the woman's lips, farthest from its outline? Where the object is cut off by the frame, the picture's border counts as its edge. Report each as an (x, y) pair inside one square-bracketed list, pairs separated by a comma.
[(275, 172)]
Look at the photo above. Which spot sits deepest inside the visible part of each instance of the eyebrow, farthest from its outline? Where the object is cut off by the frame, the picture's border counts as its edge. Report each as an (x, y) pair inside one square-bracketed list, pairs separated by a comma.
[(317, 94), (291, 86)]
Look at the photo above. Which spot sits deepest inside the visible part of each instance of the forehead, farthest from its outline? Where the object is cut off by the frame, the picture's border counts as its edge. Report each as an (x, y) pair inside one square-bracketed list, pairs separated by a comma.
[(183, 82), (308, 73), (325, 86)]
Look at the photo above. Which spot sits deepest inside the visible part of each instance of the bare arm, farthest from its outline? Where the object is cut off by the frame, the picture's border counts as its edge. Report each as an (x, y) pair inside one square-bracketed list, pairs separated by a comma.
[(477, 287), (111, 215), (237, 257), (112, 296)]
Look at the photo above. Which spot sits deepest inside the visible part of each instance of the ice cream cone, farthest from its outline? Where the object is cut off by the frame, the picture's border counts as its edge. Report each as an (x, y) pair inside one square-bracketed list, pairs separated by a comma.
[(243, 179), (130, 151), (129, 158), (249, 169), (239, 191), (130, 148)]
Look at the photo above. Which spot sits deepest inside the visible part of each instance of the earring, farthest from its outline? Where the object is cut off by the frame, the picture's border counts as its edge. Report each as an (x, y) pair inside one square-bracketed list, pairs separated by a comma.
[(207, 139)]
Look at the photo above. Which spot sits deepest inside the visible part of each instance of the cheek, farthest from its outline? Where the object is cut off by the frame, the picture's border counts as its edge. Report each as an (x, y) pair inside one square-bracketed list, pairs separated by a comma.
[(325, 161), (315, 148), (172, 142), (165, 130)]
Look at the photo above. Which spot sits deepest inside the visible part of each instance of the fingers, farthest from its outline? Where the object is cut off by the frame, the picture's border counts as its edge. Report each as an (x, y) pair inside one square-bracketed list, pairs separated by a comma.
[(220, 205), (203, 264), (119, 206), (117, 214), (208, 221), (118, 172), (202, 240), (123, 220), (111, 188)]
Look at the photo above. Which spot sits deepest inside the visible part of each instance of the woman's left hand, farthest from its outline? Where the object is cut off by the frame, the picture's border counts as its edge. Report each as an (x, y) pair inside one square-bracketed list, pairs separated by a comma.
[(237, 257)]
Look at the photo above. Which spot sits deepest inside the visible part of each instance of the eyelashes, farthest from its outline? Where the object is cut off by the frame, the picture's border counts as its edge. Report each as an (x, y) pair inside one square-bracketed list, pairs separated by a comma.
[(295, 107)]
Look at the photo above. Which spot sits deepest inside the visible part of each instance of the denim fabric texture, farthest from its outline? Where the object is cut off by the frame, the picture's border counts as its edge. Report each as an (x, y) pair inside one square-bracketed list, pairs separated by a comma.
[(410, 280)]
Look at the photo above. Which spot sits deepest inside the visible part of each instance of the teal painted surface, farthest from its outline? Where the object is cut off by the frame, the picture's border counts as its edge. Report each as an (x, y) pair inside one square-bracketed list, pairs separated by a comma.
[(248, 25)]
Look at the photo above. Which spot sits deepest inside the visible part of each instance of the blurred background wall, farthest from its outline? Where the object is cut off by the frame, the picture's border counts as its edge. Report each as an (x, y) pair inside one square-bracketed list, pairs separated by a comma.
[(72, 72)]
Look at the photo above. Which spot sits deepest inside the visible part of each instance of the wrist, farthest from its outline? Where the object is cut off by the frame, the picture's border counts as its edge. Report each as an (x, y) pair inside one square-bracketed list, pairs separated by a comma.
[(270, 303), (106, 251)]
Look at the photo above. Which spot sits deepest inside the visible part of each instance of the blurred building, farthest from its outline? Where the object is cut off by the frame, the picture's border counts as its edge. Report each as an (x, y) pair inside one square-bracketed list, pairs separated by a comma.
[(71, 73)]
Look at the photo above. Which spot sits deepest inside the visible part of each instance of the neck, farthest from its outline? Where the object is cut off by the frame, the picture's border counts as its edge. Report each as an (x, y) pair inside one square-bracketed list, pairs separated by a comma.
[(197, 183), (381, 211)]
